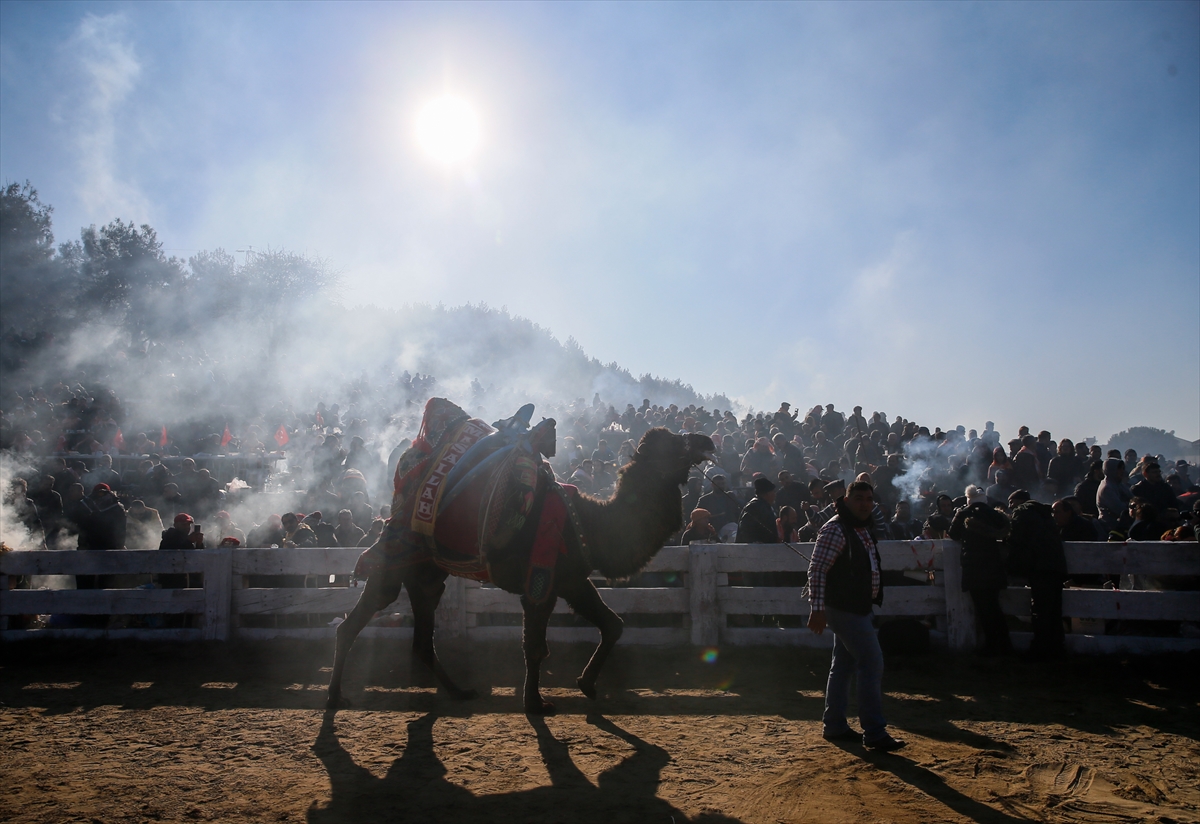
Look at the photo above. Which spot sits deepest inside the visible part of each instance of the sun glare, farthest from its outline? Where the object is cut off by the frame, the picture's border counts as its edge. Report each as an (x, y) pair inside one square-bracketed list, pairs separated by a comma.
[(448, 130)]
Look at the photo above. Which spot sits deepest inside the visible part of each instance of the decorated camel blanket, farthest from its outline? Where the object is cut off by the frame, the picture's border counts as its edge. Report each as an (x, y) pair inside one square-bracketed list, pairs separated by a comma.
[(465, 489)]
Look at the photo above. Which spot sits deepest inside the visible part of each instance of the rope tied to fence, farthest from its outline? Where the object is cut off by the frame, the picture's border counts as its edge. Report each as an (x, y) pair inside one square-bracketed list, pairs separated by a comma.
[(927, 567)]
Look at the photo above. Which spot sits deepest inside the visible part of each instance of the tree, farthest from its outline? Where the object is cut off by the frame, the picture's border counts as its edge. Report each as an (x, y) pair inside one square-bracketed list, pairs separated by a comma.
[(1148, 440), (126, 273), (29, 268)]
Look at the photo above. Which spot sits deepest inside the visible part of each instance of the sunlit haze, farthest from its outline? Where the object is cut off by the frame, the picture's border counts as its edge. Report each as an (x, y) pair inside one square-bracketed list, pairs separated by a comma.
[(955, 212), (448, 129)]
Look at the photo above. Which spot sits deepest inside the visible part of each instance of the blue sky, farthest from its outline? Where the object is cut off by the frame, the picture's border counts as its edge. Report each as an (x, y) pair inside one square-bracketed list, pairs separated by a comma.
[(954, 212)]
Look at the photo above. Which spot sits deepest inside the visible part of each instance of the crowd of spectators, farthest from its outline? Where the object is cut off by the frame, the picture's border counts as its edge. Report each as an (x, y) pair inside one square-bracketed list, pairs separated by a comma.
[(322, 477)]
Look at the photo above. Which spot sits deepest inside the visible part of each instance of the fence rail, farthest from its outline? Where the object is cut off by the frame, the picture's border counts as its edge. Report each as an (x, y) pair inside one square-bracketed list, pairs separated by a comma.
[(689, 590)]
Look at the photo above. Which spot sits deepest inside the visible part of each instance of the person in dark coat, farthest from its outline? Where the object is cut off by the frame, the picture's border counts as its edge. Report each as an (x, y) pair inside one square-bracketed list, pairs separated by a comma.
[(723, 507), (180, 536), (1036, 552), (981, 529), (757, 522), (1088, 487)]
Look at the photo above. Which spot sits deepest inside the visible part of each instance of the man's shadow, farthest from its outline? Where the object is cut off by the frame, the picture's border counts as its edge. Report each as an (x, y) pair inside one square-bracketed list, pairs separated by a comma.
[(416, 789)]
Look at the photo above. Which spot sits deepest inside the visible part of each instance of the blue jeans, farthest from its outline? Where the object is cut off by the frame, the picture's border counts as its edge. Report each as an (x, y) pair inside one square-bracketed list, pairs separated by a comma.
[(855, 651)]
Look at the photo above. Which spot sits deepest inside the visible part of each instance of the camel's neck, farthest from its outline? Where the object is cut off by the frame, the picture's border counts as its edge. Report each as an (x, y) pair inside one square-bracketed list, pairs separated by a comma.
[(623, 533)]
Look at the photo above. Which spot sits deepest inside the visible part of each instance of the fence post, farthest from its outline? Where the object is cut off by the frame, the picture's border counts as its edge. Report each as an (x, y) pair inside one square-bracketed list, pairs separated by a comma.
[(702, 595), (3, 590), (960, 611), (218, 595), (451, 616)]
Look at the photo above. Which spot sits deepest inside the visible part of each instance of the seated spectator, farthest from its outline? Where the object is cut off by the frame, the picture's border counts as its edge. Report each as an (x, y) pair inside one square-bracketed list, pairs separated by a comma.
[(296, 533), (903, 526), (700, 528), (180, 535), (1154, 490), (226, 528), (323, 530), (1071, 526), (269, 533), (346, 533), (1145, 521), (787, 525), (102, 474)]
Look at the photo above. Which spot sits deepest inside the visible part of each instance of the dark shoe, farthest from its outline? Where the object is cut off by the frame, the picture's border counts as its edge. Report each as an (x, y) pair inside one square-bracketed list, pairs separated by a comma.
[(884, 744), (847, 735)]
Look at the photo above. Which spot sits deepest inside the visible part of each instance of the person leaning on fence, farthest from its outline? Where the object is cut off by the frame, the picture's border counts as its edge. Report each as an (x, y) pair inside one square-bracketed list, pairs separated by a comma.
[(700, 528), (1035, 551), (844, 582), (981, 529)]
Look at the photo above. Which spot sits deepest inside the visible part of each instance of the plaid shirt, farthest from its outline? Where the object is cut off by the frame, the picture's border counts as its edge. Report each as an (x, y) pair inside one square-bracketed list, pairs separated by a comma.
[(830, 543)]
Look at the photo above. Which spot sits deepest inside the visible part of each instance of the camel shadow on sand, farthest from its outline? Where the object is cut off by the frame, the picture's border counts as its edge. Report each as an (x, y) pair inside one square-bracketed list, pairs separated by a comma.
[(416, 789)]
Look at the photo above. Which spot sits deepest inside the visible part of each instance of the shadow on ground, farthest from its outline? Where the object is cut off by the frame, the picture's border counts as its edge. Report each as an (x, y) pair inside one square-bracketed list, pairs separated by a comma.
[(1091, 694), (415, 788)]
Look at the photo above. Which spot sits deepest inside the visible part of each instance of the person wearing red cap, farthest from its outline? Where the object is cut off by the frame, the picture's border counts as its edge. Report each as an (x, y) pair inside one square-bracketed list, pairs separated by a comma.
[(180, 535)]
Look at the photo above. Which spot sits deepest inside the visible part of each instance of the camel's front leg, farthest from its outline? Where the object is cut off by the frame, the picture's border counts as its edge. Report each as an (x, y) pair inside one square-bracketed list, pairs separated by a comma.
[(381, 589), (537, 617), (586, 601)]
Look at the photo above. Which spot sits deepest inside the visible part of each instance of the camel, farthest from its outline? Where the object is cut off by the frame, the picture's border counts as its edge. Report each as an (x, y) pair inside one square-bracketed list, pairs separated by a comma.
[(619, 537)]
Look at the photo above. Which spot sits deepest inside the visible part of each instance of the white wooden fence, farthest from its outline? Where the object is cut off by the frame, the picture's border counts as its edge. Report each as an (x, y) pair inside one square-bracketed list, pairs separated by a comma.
[(696, 604)]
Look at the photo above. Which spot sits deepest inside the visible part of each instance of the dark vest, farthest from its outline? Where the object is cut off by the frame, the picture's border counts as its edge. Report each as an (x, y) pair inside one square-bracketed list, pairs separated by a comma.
[(848, 584)]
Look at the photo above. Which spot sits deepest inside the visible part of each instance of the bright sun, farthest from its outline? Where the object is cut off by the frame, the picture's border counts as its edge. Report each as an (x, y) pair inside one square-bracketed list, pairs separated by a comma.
[(448, 130)]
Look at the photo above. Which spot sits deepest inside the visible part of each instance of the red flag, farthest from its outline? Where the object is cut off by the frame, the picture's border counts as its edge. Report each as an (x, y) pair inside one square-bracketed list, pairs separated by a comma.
[(281, 435), (61, 445), (163, 440), (119, 440), (226, 437), (320, 419)]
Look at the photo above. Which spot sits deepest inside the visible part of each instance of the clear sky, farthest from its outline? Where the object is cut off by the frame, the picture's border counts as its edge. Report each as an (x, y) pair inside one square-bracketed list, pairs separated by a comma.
[(950, 211)]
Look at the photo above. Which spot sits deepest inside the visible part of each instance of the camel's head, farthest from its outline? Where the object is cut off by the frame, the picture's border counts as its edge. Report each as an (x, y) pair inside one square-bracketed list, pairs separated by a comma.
[(673, 455)]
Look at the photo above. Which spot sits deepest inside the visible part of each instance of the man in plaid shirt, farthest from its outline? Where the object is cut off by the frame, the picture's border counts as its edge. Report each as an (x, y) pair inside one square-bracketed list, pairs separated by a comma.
[(844, 582)]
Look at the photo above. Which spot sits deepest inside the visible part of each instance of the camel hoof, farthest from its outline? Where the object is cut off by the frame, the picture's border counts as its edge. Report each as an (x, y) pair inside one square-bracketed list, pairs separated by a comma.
[(587, 689), (464, 695)]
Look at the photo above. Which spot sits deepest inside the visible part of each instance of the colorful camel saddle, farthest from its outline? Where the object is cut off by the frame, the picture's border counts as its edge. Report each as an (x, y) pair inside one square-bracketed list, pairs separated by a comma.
[(463, 491)]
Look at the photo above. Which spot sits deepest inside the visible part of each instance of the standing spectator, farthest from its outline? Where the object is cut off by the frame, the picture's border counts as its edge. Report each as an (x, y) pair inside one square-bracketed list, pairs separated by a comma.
[(844, 581), (1088, 487), (107, 522), (1036, 552), (832, 422), (144, 526), (759, 460), (1064, 467), (722, 507), (1026, 472), (981, 530), (757, 522), (1112, 496)]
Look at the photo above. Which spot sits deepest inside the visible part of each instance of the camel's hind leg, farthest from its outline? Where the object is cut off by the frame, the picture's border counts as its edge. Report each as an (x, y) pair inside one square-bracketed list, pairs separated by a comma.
[(425, 585), (537, 617), (586, 601), (380, 590)]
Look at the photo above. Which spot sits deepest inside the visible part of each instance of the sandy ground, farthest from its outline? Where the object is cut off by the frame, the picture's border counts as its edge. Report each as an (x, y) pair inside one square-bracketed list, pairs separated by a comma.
[(134, 732)]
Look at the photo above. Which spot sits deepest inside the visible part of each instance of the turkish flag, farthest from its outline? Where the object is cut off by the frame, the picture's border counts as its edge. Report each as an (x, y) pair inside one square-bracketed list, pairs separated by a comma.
[(119, 440), (226, 437), (320, 419), (162, 441), (281, 435)]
